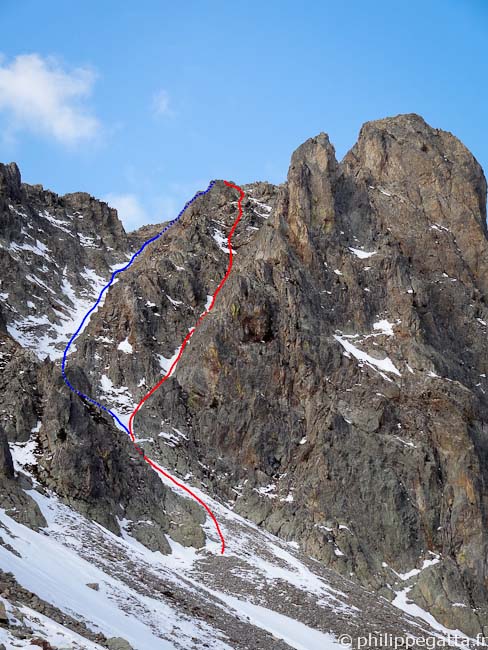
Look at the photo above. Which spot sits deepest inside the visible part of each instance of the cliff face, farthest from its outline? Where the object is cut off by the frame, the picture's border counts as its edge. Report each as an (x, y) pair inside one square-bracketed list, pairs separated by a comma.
[(336, 394), (55, 255), (55, 252), (337, 391)]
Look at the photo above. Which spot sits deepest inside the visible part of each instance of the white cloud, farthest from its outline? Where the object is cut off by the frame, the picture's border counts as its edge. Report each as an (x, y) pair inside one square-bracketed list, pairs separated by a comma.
[(160, 103), (38, 95), (131, 212)]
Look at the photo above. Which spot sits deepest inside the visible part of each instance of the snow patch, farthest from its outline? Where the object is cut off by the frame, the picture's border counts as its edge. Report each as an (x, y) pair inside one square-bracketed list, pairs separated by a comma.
[(38, 249), (222, 242), (54, 632), (208, 303), (53, 337), (454, 637), (383, 327), (175, 303), (385, 365), (51, 565), (86, 241), (414, 572), (167, 363), (295, 634), (120, 399), (125, 346), (437, 226), (361, 254), (57, 223), (267, 208), (23, 453)]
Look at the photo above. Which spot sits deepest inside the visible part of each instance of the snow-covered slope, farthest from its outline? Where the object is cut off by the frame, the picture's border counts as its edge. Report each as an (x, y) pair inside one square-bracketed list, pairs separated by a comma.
[(261, 594), (55, 255)]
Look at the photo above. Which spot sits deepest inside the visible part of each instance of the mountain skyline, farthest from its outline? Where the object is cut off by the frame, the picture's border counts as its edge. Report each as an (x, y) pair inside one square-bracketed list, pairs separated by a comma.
[(144, 108)]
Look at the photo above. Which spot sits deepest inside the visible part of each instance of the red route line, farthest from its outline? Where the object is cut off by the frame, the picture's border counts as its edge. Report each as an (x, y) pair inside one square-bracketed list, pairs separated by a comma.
[(187, 338)]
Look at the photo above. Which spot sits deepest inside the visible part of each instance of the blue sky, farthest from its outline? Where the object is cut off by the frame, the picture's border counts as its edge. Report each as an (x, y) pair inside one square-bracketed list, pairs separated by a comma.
[(143, 103)]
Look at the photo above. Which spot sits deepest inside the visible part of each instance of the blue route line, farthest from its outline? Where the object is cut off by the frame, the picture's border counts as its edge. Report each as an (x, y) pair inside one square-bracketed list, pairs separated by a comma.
[(100, 296)]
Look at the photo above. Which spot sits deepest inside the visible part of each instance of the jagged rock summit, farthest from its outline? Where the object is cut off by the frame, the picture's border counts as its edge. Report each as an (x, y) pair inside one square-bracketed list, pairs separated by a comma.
[(336, 395)]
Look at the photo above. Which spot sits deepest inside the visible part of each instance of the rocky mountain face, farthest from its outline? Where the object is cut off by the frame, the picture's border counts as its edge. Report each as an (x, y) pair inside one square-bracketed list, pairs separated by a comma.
[(58, 252), (335, 396), (55, 252)]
